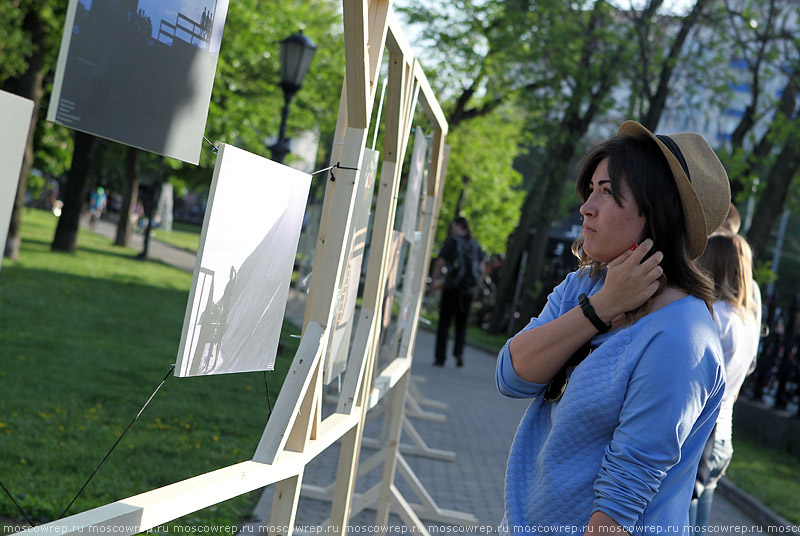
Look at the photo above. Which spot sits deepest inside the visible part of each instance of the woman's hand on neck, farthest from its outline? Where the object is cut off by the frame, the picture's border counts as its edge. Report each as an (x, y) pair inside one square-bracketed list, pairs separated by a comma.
[(631, 280)]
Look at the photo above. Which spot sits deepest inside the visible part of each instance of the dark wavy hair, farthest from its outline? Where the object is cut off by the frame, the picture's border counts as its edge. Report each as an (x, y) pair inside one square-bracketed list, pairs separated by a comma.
[(641, 163)]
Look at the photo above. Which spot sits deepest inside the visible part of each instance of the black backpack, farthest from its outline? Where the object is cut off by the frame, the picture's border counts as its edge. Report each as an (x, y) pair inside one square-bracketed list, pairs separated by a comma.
[(466, 268)]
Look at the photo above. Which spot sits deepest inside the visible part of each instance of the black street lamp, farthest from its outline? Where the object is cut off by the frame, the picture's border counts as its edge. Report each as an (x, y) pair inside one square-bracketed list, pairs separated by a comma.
[(297, 51)]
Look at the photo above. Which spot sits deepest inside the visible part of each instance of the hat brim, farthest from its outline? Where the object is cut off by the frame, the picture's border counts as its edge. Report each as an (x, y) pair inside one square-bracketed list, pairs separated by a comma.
[(694, 217)]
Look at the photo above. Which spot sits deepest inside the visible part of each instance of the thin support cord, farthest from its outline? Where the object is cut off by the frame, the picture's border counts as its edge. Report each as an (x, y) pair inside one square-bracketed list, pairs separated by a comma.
[(337, 165), (214, 148), (171, 368), (269, 404), (27, 519)]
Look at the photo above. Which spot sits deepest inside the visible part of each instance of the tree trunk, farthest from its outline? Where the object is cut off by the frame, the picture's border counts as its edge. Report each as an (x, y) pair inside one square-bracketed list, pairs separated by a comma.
[(518, 242), (28, 85), (129, 196), (774, 197), (786, 108), (538, 250), (659, 98), (150, 201), (533, 229), (77, 188)]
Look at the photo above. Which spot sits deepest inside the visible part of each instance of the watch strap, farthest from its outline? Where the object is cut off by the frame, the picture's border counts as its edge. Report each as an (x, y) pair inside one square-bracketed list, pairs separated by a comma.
[(589, 312)]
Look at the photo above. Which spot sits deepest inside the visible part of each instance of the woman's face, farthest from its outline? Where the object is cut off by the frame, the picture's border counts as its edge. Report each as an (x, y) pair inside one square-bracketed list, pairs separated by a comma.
[(609, 229)]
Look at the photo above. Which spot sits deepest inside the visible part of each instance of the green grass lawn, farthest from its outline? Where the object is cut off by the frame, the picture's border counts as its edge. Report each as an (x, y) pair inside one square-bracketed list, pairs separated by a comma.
[(183, 236), (769, 475), (86, 338)]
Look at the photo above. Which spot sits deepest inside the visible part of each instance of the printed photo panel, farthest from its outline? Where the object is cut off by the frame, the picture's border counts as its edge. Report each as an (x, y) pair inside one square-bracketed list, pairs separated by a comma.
[(15, 116), (336, 360), (244, 265), (139, 72), (414, 188)]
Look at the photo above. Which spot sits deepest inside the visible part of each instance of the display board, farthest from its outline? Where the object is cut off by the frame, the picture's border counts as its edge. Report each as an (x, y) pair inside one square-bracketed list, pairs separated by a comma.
[(415, 173), (139, 72), (15, 116), (244, 265), (337, 357)]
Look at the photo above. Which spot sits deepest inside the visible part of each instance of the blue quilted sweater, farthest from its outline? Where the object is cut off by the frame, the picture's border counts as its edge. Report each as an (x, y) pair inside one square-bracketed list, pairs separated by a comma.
[(626, 436)]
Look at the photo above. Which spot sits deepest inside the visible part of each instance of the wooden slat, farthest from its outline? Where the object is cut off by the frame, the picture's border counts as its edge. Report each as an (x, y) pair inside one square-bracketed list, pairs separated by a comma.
[(397, 404), (297, 383), (356, 62), (284, 506), (396, 39), (395, 92), (429, 102), (331, 265)]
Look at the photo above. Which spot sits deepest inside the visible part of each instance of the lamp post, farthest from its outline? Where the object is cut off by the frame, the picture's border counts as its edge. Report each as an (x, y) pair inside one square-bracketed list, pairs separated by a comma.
[(297, 51)]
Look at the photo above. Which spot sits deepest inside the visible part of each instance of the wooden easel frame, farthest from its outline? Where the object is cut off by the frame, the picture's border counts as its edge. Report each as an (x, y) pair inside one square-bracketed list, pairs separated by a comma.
[(296, 433)]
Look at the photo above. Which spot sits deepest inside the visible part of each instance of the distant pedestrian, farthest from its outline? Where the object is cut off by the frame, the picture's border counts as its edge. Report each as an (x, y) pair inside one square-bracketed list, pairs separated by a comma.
[(729, 261), (97, 205), (623, 364), (461, 261)]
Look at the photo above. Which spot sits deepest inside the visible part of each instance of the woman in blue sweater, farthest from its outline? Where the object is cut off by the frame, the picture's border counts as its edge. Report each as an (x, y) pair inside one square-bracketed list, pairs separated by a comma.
[(623, 365)]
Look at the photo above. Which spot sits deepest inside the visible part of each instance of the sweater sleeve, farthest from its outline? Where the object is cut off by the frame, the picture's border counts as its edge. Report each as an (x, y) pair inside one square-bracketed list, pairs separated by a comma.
[(666, 394), (508, 382)]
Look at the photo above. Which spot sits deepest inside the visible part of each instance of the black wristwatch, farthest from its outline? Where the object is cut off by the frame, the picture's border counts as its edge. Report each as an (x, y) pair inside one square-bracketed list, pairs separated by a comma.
[(588, 312)]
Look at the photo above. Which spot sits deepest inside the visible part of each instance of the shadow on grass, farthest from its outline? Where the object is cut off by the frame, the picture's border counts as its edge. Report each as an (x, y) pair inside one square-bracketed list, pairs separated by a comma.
[(80, 248), (35, 245)]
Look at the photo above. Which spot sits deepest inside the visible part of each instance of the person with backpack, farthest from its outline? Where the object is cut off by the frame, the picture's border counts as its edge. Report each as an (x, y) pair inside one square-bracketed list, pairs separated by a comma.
[(461, 262)]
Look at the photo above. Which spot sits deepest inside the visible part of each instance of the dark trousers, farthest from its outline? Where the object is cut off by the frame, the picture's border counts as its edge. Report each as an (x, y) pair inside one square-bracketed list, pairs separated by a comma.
[(454, 304)]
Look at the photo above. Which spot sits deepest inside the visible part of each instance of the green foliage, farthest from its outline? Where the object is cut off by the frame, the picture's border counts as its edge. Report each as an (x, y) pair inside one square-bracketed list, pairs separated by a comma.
[(86, 338), (36, 184), (246, 102), (764, 274), (53, 149), (53, 146), (492, 195), (15, 45)]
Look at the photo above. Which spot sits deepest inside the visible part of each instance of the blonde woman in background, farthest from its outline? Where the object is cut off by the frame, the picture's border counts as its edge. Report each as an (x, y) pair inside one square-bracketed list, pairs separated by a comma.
[(728, 260)]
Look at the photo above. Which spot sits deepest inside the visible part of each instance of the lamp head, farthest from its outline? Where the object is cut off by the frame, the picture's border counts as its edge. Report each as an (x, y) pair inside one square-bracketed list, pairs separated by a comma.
[(297, 51)]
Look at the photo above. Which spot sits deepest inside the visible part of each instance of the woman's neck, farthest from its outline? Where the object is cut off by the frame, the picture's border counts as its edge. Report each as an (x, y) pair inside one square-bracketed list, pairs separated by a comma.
[(667, 296)]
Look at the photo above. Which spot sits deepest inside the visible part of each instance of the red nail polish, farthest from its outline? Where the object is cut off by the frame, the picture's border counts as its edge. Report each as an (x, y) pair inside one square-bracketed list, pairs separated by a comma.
[(634, 247)]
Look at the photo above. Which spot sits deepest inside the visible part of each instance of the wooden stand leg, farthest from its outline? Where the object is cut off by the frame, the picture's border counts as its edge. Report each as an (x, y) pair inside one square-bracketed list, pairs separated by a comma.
[(284, 506)]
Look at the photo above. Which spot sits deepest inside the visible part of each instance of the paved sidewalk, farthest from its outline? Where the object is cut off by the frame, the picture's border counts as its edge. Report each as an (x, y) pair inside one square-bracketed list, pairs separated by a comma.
[(179, 258), (479, 428)]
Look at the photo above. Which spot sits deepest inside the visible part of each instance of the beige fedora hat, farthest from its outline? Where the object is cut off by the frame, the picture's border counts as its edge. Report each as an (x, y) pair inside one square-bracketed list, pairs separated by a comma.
[(701, 179)]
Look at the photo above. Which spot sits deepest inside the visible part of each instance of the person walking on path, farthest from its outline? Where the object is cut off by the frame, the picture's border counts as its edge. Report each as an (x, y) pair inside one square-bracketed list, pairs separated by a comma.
[(623, 365), (728, 260), (461, 260)]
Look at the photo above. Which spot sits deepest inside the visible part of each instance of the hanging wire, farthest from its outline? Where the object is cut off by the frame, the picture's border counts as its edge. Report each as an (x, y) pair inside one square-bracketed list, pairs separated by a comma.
[(269, 404), (337, 165), (171, 368), (10, 496), (214, 148)]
